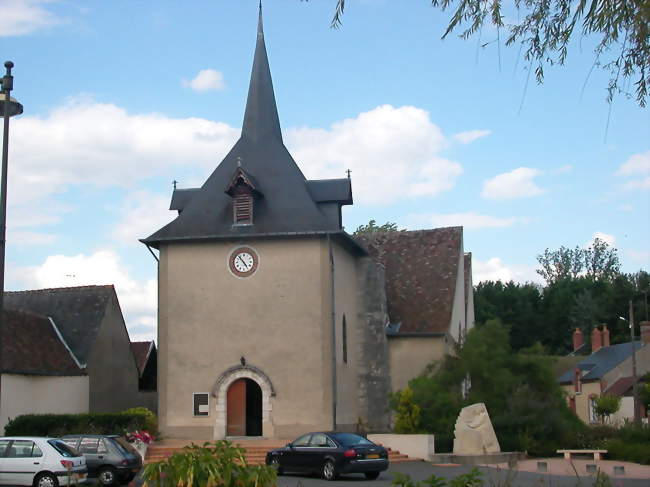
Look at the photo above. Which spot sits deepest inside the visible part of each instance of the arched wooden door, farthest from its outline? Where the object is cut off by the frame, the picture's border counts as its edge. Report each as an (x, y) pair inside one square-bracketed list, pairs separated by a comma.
[(244, 408)]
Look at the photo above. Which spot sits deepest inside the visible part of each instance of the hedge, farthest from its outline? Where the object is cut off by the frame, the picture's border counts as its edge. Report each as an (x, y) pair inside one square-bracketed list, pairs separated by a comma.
[(87, 423)]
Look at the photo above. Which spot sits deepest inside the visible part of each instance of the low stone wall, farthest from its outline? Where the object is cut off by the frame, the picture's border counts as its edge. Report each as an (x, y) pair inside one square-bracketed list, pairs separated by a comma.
[(415, 446)]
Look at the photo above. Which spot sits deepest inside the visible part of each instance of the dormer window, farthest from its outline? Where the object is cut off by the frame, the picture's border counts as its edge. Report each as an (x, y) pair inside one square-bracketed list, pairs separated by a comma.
[(242, 189), (242, 204)]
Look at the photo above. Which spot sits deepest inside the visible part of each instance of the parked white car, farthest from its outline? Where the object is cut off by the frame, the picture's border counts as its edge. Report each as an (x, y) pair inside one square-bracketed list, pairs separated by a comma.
[(41, 462)]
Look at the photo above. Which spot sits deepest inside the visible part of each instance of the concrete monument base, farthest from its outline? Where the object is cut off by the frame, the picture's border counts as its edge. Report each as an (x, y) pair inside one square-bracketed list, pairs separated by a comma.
[(511, 458)]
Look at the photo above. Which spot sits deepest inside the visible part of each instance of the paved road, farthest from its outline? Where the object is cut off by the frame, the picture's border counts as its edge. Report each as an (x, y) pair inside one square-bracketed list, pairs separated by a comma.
[(422, 470)]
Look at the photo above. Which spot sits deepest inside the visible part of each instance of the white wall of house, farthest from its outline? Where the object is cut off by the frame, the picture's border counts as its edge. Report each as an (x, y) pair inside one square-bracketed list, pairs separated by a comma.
[(36, 394), (625, 413), (457, 322)]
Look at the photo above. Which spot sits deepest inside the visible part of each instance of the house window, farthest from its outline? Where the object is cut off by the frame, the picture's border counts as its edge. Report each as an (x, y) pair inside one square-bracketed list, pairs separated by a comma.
[(201, 404), (345, 341), (593, 417)]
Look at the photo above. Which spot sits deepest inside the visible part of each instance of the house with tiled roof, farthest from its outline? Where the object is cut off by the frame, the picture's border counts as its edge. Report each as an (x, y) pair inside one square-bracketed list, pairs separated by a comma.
[(39, 373), (429, 296), (274, 321), (90, 323), (608, 370)]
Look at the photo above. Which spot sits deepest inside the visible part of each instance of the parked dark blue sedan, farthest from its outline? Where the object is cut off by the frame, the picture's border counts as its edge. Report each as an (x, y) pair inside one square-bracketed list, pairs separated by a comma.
[(330, 454)]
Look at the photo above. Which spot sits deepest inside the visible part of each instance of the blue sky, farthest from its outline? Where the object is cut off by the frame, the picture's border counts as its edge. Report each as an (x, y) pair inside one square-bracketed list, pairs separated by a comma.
[(123, 97)]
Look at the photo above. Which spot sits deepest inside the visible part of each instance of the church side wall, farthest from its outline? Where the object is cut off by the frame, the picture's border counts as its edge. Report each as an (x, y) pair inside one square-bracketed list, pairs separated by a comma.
[(410, 355), (277, 319), (345, 285)]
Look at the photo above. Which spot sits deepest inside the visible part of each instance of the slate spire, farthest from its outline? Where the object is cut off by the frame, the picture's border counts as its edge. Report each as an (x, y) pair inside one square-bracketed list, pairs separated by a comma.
[(261, 116)]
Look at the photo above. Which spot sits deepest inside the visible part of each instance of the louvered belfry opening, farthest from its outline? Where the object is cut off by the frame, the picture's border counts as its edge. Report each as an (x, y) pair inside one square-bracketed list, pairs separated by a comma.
[(242, 203)]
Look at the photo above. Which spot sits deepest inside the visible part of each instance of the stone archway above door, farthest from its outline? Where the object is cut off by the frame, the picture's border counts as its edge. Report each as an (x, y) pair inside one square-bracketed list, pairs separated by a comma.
[(220, 392)]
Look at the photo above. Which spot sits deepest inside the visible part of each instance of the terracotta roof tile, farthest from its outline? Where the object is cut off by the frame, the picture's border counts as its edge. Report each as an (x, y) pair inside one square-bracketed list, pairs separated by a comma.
[(421, 272), (30, 345)]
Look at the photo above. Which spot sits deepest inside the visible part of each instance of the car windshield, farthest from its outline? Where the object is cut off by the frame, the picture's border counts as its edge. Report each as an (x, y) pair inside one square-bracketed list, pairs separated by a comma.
[(63, 449), (350, 439)]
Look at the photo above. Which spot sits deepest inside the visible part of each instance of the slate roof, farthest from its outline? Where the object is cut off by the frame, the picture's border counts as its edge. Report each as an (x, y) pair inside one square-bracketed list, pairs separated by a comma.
[(141, 352), (601, 362), (421, 273), (289, 203), (31, 346), (77, 311)]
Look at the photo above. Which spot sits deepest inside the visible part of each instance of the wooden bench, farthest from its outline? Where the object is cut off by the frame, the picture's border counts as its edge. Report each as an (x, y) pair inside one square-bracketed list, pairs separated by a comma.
[(597, 454)]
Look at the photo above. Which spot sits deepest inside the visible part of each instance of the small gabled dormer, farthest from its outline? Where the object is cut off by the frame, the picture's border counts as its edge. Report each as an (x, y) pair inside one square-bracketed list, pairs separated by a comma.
[(243, 191)]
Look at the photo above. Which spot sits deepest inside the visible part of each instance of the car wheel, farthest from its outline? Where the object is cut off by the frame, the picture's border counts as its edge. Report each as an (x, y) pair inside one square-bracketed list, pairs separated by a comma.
[(372, 475), (329, 470), (46, 480), (107, 476), (275, 463)]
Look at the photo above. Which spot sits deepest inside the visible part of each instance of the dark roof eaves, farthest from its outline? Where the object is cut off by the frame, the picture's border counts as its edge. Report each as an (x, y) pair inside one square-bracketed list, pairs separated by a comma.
[(47, 373), (206, 238)]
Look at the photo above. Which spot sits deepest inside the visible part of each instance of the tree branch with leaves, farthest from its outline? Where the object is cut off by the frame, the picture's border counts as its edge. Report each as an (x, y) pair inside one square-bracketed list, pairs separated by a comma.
[(546, 28)]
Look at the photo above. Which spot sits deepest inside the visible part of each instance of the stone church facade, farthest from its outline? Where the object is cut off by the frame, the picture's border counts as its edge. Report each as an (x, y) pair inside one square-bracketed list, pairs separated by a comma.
[(273, 321)]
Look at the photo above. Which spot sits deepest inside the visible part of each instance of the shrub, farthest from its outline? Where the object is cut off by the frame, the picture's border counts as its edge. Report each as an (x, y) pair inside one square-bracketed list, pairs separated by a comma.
[(219, 464), (151, 420), (408, 413), (92, 423)]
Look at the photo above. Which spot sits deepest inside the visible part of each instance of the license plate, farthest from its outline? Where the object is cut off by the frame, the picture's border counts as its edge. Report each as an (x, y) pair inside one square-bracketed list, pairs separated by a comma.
[(372, 455)]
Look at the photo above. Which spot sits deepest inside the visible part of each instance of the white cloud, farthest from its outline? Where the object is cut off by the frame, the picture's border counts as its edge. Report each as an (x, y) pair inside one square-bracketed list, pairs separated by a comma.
[(469, 220), (393, 153), (20, 17), (142, 214), (517, 183), (638, 168), (495, 269), (138, 299), (86, 142), (605, 237), (471, 135), (642, 256), (20, 237), (563, 169), (206, 80), (636, 164)]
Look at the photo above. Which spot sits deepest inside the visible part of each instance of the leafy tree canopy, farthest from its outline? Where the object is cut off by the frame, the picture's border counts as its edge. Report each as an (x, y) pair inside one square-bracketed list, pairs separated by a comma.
[(372, 227), (607, 405), (525, 403), (545, 29), (598, 261)]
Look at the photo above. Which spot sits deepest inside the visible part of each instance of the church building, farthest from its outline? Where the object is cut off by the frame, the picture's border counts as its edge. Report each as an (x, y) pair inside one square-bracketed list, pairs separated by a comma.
[(273, 321)]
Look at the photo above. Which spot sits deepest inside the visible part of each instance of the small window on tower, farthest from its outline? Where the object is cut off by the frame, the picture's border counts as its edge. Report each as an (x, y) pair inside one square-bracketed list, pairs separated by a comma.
[(243, 192)]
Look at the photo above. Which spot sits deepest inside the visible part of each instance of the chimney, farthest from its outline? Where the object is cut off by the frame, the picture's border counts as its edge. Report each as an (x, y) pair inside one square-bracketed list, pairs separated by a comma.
[(578, 339), (605, 336), (596, 340), (645, 331)]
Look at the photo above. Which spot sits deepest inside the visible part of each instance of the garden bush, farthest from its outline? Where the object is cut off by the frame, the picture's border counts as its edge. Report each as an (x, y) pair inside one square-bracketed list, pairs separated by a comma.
[(219, 464), (92, 423)]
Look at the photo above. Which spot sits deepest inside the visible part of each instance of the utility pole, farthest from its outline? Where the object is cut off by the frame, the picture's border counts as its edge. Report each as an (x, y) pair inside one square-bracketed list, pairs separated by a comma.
[(635, 389)]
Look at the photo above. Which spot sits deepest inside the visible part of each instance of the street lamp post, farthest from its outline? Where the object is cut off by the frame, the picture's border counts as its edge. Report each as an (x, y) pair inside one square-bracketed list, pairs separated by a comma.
[(635, 389), (8, 108)]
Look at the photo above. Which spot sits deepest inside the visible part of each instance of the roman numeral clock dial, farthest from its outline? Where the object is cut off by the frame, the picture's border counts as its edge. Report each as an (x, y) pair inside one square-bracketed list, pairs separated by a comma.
[(243, 262)]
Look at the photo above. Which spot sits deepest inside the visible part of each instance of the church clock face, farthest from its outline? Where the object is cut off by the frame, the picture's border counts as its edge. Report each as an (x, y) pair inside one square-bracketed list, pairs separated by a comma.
[(243, 262)]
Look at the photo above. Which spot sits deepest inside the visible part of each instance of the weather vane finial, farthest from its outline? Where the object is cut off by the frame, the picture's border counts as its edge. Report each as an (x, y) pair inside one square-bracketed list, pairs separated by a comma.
[(174, 182)]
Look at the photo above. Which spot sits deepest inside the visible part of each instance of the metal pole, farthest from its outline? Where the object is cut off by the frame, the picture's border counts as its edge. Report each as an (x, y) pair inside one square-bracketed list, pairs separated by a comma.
[(7, 82), (635, 390)]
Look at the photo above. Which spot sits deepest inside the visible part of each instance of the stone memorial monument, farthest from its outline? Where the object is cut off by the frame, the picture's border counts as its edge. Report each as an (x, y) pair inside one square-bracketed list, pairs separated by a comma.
[(474, 434)]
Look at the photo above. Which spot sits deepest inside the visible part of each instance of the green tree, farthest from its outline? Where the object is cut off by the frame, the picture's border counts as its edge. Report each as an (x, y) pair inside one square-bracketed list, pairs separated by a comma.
[(546, 28), (372, 227), (526, 405), (607, 405), (408, 413)]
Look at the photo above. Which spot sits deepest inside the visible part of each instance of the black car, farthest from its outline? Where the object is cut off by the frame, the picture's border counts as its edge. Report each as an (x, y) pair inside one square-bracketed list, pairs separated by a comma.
[(330, 454), (110, 458)]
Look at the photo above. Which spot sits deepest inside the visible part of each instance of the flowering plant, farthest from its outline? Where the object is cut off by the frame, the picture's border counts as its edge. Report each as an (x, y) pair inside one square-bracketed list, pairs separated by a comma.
[(139, 437)]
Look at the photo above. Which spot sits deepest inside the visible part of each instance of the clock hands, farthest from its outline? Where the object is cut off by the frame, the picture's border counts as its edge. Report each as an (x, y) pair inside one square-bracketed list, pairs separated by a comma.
[(242, 261)]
